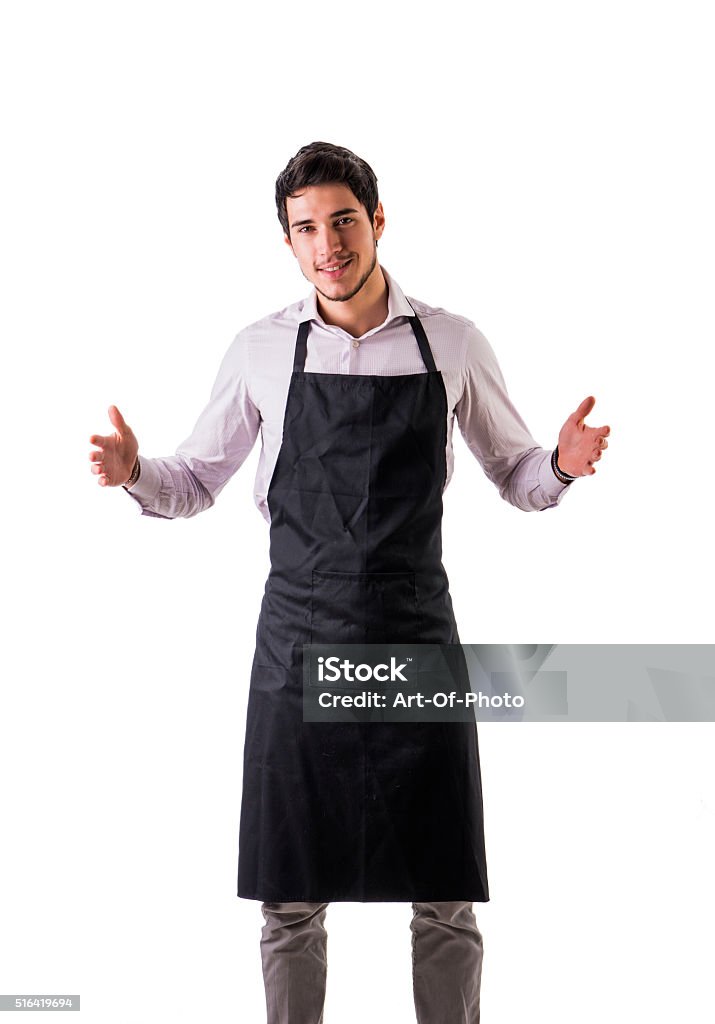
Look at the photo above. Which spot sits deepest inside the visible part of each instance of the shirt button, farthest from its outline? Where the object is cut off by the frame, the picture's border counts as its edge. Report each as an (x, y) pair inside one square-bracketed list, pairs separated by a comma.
[(356, 344)]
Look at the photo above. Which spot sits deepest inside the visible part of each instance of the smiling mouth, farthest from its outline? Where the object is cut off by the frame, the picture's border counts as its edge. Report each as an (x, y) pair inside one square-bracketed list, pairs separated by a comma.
[(333, 268)]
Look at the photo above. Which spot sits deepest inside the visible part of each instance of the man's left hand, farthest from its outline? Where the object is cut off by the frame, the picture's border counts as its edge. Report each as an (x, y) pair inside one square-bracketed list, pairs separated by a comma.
[(580, 446)]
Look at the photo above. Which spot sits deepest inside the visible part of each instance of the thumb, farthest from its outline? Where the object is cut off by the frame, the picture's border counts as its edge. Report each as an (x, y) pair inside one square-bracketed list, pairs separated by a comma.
[(584, 409), (117, 420)]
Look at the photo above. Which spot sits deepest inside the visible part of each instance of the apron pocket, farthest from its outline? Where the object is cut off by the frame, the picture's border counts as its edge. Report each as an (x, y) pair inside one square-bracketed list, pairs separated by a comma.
[(364, 607)]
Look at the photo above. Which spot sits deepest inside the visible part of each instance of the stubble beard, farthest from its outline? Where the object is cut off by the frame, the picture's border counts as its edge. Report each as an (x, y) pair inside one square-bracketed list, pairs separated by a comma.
[(361, 284)]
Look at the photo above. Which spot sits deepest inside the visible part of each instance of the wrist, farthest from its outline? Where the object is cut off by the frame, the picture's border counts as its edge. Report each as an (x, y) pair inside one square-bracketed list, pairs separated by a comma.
[(559, 473), (134, 475)]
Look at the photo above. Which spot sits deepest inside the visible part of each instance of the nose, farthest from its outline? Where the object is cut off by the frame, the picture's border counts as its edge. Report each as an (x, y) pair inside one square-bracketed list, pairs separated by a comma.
[(328, 241)]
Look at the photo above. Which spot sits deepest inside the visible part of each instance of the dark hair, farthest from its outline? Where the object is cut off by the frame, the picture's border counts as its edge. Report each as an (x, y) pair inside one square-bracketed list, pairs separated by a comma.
[(321, 163)]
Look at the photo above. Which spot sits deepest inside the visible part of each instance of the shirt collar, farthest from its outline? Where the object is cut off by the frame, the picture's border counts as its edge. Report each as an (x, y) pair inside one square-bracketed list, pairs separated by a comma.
[(397, 304)]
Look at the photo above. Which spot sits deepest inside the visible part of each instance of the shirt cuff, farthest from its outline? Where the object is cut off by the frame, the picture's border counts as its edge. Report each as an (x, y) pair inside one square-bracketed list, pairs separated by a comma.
[(551, 486), (148, 487)]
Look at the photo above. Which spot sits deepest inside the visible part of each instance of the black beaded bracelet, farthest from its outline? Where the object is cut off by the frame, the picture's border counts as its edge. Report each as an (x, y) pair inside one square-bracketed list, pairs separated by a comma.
[(565, 478)]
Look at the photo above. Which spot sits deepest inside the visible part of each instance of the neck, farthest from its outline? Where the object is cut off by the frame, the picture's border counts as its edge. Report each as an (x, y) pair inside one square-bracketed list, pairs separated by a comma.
[(365, 310)]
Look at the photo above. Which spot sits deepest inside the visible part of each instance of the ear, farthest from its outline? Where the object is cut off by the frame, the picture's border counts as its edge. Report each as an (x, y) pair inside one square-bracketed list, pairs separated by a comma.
[(288, 242), (378, 221)]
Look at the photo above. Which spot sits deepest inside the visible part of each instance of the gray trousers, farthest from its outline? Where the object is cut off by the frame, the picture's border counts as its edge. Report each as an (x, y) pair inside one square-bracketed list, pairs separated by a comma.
[(446, 962)]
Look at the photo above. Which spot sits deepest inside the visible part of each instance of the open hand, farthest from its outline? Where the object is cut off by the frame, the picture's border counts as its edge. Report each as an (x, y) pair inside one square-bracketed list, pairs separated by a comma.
[(580, 446), (114, 461)]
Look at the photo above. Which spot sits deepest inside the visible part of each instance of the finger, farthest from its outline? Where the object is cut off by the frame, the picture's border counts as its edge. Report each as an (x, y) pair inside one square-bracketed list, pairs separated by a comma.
[(584, 409), (96, 456), (117, 420), (103, 481), (595, 455), (99, 440), (99, 469)]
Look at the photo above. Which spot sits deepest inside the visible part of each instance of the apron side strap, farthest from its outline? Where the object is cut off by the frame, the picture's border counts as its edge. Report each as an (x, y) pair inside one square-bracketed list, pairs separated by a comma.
[(301, 347), (425, 350)]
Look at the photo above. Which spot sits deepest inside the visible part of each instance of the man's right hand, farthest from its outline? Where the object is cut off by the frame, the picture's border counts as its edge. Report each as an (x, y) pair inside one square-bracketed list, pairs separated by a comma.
[(114, 461)]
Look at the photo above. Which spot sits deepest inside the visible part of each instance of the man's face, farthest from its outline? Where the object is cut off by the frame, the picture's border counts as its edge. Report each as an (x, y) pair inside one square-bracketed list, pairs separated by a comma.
[(333, 239)]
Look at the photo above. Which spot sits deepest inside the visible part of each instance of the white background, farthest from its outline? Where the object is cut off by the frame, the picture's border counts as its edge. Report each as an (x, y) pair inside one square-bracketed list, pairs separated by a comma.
[(546, 170)]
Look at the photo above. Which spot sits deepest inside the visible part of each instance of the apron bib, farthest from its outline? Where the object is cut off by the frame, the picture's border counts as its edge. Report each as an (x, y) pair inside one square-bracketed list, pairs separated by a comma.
[(357, 811)]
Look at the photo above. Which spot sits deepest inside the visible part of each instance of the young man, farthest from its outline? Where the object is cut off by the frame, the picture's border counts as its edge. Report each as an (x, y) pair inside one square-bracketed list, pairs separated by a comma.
[(354, 391)]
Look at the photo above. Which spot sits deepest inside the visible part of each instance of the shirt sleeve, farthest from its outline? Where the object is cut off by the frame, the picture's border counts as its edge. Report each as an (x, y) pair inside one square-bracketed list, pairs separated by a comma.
[(497, 435), (188, 482)]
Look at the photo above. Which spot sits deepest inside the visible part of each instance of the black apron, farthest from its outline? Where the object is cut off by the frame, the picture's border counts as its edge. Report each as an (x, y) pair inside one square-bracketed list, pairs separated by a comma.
[(357, 811)]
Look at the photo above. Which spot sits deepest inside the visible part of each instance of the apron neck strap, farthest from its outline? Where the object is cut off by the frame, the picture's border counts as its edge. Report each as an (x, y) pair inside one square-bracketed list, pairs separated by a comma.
[(425, 350), (301, 345)]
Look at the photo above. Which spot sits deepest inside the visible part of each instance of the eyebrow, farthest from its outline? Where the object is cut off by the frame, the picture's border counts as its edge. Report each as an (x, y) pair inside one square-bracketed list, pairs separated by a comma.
[(337, 213)]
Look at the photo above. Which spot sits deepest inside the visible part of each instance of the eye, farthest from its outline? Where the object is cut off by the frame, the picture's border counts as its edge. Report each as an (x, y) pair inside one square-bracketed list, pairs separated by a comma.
[(306, 227), (345, 220)]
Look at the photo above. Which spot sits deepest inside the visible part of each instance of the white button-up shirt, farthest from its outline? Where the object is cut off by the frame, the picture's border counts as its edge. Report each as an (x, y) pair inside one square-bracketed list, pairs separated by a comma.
[(251, 388)]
